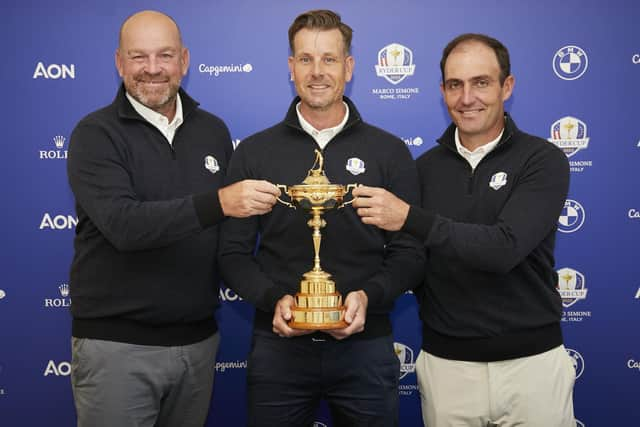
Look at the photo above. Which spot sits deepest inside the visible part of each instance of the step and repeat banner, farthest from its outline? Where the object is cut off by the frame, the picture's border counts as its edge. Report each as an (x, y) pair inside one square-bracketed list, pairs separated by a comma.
[(577, 70)]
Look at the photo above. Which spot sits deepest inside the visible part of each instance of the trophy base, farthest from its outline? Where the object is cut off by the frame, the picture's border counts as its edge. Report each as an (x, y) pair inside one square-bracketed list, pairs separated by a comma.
[(318, 318), (317, 306)]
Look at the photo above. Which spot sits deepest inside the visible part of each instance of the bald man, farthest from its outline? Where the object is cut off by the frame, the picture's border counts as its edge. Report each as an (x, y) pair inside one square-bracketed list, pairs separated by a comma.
[(147, 174)]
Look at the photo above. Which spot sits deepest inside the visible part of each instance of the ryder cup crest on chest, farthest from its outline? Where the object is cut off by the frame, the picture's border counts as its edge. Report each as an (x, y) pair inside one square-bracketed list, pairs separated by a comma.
[(355, 166), (498, 180), (211, 164)]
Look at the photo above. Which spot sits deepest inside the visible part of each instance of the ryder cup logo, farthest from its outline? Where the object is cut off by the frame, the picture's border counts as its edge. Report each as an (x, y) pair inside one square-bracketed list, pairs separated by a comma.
[(395, 63), (405, 355), (571, 286), (498, 180), (570, 135), (577, 360), (211, 164), (355, 166), (571, 218), (570, 62)]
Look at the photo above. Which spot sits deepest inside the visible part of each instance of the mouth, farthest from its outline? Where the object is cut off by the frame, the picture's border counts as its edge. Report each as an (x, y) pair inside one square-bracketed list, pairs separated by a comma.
[(470, 112), (153, 82), (318, 87)]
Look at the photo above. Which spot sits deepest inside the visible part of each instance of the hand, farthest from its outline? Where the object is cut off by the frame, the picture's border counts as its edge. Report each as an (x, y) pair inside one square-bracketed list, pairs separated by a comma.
[(247, 198), (379, 207), (356, 313), (282, 316)]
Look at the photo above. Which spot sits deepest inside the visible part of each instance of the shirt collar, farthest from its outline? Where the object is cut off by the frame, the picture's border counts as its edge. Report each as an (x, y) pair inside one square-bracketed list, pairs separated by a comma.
[(308, 127), (156, 118), (483, 149)]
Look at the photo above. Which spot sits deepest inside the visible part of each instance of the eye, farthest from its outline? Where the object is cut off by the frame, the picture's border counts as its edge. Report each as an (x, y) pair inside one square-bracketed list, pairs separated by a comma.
[(304, 59), (330, 60), (453, 85), (482, 83)]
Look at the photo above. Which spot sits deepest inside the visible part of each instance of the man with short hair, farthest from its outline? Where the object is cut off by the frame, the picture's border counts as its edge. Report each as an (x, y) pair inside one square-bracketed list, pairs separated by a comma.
[(147, 174), (353, 368), (492, 348)]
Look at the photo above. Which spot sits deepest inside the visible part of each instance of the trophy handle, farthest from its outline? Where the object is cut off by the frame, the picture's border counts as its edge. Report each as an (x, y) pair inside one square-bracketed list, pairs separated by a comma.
[(349, 188), (283, 188)]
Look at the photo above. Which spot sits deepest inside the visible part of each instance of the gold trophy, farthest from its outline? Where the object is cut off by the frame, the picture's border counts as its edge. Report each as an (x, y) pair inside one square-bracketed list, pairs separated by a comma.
[(318, 305)]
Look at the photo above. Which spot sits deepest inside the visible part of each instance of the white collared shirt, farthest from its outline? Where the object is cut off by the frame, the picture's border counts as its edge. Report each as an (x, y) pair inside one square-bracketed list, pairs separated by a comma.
[(474, 157), (159, 120), (322, 137)]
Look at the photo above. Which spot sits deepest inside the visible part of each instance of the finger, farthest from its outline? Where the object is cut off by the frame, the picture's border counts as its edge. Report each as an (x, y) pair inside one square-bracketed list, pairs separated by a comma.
[(363, 191), (266, 187), (265, 198)]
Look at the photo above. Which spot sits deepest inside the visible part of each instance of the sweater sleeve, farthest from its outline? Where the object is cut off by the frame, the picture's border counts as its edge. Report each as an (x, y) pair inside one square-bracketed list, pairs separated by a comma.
[(238, 238), (101, 181), (403, 265), (530, 213)]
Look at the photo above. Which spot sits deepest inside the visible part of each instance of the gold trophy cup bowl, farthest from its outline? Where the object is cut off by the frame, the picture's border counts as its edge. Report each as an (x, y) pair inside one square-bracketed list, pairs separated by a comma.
[(317, 305)]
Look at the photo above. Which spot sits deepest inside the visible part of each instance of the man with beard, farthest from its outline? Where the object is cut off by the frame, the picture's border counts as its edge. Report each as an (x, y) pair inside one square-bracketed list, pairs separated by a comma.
[(147, 174), (353, 368)]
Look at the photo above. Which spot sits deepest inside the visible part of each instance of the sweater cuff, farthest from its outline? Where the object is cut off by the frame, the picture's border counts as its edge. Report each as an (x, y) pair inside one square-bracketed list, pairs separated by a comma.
[(208, 208), (271, 297), (375, 293), (419, 223)]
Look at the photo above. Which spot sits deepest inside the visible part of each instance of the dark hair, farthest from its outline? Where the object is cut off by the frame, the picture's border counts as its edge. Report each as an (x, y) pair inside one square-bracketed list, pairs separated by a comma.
[(323, 20), (502, 54)]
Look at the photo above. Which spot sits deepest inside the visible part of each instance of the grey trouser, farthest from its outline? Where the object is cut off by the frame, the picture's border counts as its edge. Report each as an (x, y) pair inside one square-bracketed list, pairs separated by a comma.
[(127, 385)]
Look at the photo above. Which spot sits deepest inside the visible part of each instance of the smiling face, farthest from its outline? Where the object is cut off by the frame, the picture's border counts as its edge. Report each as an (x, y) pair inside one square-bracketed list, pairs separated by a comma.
[(320, 68), (473, 93), (152, 61)]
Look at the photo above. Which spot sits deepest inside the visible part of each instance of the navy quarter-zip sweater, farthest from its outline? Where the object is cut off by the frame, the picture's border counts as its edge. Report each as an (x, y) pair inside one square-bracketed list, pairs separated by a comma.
[(358, 256), (490, 286), (144, 269)]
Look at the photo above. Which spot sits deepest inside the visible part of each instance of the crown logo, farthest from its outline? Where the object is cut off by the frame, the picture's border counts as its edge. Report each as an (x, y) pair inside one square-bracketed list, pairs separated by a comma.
[(59, 141), (64, 290)]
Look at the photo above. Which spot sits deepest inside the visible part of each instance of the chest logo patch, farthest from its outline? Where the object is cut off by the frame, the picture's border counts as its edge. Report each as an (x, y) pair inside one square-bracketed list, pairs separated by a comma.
[(211, 164), (498, 180), (355, 166)]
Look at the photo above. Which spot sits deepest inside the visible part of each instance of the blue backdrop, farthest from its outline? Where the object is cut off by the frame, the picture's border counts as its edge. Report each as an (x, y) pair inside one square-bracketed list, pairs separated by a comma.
[(577, 67)]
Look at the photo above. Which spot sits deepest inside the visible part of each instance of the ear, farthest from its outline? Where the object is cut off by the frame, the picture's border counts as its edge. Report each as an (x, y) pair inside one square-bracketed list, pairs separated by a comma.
[(185, 60), (507, 87), (118, 61), (290, 62), (442, 89), (349, 63)]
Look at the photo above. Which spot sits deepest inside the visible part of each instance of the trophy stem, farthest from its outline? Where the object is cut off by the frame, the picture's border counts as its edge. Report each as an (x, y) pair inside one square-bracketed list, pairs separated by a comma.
[(316, 223)]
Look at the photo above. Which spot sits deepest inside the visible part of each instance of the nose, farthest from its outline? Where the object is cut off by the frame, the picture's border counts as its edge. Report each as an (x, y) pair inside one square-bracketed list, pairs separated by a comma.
[(467, 94), (153, 65), (317, 68)]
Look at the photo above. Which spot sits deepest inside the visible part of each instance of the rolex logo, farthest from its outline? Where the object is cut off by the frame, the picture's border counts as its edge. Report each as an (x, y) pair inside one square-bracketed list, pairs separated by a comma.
[(59, 141), (64, 290)]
